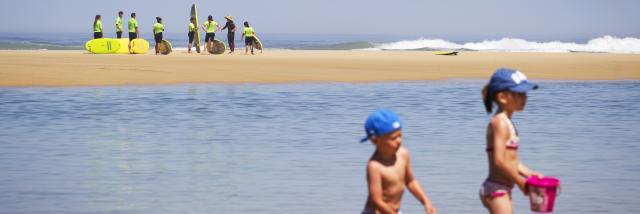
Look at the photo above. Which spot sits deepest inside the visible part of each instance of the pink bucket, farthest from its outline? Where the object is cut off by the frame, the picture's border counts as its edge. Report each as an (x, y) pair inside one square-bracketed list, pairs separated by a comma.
[(542, 193)]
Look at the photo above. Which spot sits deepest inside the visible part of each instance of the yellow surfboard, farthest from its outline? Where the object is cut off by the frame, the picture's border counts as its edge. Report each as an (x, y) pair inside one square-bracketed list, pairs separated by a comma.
[(87, 45), (446, 53), (139, 46), (124, 46), (102, 46)]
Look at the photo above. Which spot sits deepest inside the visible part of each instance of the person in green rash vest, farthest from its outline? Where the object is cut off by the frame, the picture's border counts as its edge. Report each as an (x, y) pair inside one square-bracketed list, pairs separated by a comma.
[(158, 28), (133, 27), (97, 27), (210, 27), (192, 33), (119, 25), (247, 35)]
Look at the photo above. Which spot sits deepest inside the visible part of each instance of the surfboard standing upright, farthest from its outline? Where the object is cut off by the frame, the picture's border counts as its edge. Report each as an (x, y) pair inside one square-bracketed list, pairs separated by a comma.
[(194, 13)]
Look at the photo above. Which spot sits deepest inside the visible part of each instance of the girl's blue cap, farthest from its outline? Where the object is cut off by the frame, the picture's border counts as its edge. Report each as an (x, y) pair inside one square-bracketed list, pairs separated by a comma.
[(510, 79), (381, 122)]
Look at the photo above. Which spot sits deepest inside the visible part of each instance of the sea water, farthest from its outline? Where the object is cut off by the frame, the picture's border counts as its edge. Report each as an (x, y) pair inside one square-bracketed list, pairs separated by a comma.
[(603, 44), (293, 148)]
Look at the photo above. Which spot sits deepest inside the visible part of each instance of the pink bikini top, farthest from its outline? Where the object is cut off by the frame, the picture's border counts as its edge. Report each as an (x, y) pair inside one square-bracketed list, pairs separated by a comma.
[(514, 142)]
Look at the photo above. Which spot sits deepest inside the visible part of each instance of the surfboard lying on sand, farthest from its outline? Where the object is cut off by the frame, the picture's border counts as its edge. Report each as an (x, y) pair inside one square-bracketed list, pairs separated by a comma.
[(218, 47), (447, 53), (102, 46), (124, 46), (194, 13), (139, 46), (165, 47), (257, 43)]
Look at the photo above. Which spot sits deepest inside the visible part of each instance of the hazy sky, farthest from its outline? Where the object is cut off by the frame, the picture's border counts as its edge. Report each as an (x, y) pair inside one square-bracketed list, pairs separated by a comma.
[(547, 19)]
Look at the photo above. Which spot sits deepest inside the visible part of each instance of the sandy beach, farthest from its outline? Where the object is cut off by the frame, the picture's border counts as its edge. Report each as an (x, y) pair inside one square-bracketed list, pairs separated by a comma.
[(78, 68)]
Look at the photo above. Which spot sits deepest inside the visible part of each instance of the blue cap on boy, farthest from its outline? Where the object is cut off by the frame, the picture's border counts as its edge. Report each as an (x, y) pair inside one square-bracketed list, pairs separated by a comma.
[(381, 122), (510, 79)]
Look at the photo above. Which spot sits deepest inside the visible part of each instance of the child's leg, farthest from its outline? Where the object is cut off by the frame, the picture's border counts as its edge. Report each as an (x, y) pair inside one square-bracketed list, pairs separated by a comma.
[(498, 205), (496, 197)]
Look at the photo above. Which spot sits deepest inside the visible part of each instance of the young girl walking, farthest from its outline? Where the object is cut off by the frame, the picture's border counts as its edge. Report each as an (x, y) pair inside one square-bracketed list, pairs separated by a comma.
[(507, 90)]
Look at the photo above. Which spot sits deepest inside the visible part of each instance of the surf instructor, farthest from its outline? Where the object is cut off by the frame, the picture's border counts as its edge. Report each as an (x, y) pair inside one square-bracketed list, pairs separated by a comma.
[(210, 27), (231, 33)]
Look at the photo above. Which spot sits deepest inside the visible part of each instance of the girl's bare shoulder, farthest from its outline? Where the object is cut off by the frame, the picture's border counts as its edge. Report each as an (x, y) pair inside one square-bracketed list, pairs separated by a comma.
[(499, 121)]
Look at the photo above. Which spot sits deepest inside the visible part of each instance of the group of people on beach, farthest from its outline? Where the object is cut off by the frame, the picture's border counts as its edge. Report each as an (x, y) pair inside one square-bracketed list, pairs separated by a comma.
[(389, 169), (210, 27)]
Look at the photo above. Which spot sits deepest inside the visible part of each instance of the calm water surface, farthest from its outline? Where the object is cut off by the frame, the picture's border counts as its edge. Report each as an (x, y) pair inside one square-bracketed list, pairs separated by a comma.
[(293, 148)]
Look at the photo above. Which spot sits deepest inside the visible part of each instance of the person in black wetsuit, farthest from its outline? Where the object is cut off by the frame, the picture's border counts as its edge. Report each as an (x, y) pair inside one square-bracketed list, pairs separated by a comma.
[(231, 33)]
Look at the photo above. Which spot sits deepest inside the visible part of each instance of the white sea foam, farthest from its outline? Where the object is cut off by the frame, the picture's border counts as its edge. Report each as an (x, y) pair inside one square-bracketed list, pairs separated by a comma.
[(608, 44)]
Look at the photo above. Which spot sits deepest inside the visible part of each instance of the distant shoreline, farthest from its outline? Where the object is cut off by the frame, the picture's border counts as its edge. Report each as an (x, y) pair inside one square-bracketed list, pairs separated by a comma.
[(60, 68)]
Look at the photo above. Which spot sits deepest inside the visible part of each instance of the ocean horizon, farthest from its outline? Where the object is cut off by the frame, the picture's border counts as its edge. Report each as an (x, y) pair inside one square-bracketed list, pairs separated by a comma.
[(602, 44)]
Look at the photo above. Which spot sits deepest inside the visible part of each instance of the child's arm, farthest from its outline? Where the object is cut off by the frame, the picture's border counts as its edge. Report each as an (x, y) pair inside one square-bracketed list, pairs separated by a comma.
[(526, 172), (374, 179), (500, 130), (416, 189)]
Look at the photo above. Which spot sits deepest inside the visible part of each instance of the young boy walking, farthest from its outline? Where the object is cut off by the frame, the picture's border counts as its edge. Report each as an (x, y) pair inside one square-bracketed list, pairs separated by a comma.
[(389, 169)]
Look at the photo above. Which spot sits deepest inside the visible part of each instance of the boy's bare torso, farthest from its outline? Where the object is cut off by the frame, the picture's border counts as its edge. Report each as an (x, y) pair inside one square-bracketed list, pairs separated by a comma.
[(392, 174)]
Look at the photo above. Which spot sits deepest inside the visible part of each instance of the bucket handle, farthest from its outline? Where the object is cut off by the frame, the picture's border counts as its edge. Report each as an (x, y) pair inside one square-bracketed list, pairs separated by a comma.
[(559, 189)]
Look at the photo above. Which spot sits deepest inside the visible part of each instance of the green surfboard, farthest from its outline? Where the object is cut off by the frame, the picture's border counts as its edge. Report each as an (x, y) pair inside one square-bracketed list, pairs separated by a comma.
[(194, 13)]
